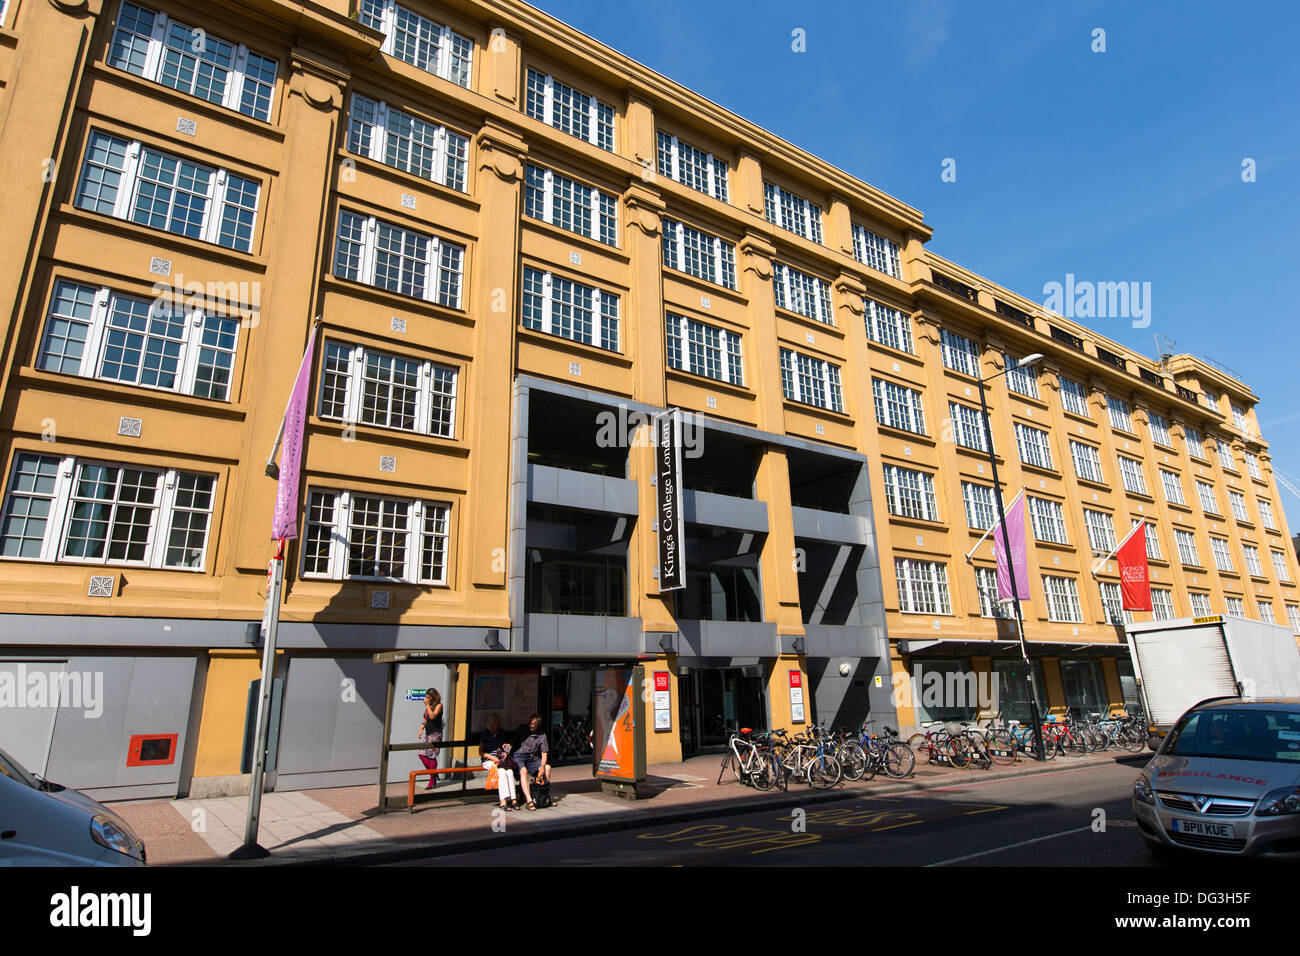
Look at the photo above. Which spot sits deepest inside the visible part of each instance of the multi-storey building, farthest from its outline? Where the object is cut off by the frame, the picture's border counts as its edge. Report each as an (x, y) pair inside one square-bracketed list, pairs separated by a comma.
[(520, 244)]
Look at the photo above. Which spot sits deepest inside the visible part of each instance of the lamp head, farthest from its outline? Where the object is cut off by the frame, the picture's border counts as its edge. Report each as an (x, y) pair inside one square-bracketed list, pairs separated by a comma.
[(1030, 360)]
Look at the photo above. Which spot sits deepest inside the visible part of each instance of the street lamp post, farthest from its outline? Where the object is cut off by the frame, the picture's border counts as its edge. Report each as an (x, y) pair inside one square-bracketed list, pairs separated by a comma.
[(1034, 715)]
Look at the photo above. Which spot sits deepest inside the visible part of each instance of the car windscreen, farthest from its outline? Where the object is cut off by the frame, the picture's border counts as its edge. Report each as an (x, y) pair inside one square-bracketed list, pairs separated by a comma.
[(1237, 734), (12, 768)]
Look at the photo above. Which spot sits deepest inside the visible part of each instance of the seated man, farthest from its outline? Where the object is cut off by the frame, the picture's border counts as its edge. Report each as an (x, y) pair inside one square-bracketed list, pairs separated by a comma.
[(533, 756)]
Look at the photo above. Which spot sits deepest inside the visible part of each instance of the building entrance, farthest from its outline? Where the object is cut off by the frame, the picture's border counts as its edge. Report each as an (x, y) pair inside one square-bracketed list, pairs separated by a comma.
[(713, 699)]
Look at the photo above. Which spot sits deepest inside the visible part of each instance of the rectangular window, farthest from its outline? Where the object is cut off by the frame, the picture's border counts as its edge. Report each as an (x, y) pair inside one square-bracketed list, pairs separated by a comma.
[(1238, 504), (1251, 555), (981, 511), (1234, 607), (1200, 604), (1266, 611), (887, 326), (1225, 455), (986, 583), (404, 261), (898, 407), (1239, 417), (792, 213), (95, 332), (1293, 615), (1062, 599), (1101, 530), (406, 142), (1074, 397), (1022, 381), (363, 386), (1266, 514), (877, 252), (128, 180), (1162, 604), (922, 587), (800, 292), (967, 426), (703, 349), (150, 44), (85, 512), (1152, 541), (1034, 446), (1252, 465), (1119, 413), (1087, 463), (1279, 565), (1173, 486), (960, 353), (571, 205), (1222, 559), (569, 110), (571, 310), (910, 494), (1048, 520), (1187, 552), (692, 167), (1209, 503), (1110, 599), (699, 254), (1160, 430), (811, 381), (1195, 442), (350, 535), (419, 41), (1130, 470)]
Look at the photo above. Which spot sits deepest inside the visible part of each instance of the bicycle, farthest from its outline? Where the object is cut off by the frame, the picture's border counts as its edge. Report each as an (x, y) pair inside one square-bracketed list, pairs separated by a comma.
[(891, 755), (748, 762)]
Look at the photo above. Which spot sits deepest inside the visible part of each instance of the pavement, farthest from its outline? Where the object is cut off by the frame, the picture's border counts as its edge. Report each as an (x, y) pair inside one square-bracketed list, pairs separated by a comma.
[(344, 826)]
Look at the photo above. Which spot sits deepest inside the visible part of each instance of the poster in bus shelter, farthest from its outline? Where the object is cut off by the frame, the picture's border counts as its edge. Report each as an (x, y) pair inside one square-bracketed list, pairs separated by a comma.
[(619, 736)]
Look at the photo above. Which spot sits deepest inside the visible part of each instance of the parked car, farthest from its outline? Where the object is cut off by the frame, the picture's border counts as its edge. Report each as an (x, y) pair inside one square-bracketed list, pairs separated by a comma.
[(1225, 780), (45, 824)]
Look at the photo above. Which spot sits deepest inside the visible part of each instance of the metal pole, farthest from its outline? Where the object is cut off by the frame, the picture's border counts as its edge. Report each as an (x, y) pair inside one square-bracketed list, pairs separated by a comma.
[(1034, 715), (251, 850)]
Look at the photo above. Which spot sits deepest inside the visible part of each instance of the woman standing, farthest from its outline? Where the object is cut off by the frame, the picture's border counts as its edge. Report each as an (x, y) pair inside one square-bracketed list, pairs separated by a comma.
[(431, 732)]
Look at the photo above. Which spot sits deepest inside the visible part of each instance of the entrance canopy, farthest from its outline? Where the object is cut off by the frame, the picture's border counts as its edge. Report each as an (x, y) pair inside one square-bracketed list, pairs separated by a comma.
[(975, 648)]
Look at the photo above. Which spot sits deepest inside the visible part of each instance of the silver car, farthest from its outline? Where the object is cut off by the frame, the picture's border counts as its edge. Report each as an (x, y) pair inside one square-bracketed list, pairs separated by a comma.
[(1226, 780), (45, 824)]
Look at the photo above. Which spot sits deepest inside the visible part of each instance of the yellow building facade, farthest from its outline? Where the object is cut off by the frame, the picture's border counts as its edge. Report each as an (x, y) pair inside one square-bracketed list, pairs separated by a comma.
[(521, 245)]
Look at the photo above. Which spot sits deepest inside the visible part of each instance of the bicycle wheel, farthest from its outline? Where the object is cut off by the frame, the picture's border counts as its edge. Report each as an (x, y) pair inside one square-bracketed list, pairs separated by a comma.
[(761, 774), (919, 744), (824, 772), (898, 760), (958, 752), (1001, 747), (854, 761), (1134, 741), (1073, 743)]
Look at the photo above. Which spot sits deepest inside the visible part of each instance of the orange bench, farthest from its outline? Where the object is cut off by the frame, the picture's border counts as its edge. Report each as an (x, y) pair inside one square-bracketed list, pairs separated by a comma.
[(410, 784)]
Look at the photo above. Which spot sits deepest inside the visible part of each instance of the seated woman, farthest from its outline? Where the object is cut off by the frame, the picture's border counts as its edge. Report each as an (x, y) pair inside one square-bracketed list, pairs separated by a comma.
[(496, 753)]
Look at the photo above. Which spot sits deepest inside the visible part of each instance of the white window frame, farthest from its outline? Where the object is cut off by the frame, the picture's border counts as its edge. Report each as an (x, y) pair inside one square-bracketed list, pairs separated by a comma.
[(1162, 604), (1250, 554), (164, 512), (1225, 455), (596, 109), (731, 365), (790, 294), (1047, 518), (1021, 379), (1101, 530), (1120, 414), (590, 198), (670, 152), (1209, 500), (1188, 553), (1195, 442), (1037, 442), (922, 587), (792, 212), (1234, 606), (387, 23), (960, 354), (354, 389), (1237, 502), (99, 330), (1159, 426), (1266, 514), (1252, 465), (232, 97), (877, 252), (1222, 557), (1113, 604), (967, 426), (1265, 611), (369, 259), (908, 416), (1279, 565), (910, 493), (721, 257), (1171, 480), (1074, 397), (792, 375), (1062, 596), (218, 198), (1200, 603), (340, 537), (1087, 462), (1132, 476), (599, 299), (887, 326), (377, 134), (1152, 539), (976, 498), (1293, 615), (1239, 417)]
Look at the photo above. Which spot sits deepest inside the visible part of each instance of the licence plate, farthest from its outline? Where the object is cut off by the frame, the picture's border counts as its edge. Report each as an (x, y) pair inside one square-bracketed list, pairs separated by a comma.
[(1224, 831)]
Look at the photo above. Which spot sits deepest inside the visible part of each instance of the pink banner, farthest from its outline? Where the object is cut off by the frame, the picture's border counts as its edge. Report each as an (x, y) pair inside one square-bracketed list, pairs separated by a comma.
[(285, 524), (1019, 561)]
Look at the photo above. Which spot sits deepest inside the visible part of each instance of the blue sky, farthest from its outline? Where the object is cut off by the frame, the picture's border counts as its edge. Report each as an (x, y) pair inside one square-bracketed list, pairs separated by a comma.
[(1117, 166)]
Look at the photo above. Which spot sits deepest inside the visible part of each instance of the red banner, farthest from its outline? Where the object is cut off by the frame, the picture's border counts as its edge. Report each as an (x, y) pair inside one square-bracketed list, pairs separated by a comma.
[(1134, 576)]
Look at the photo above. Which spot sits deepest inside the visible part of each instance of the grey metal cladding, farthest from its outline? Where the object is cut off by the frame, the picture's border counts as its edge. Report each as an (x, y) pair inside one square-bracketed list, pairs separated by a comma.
[(724, 511), (728, 639), (831, 526)]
